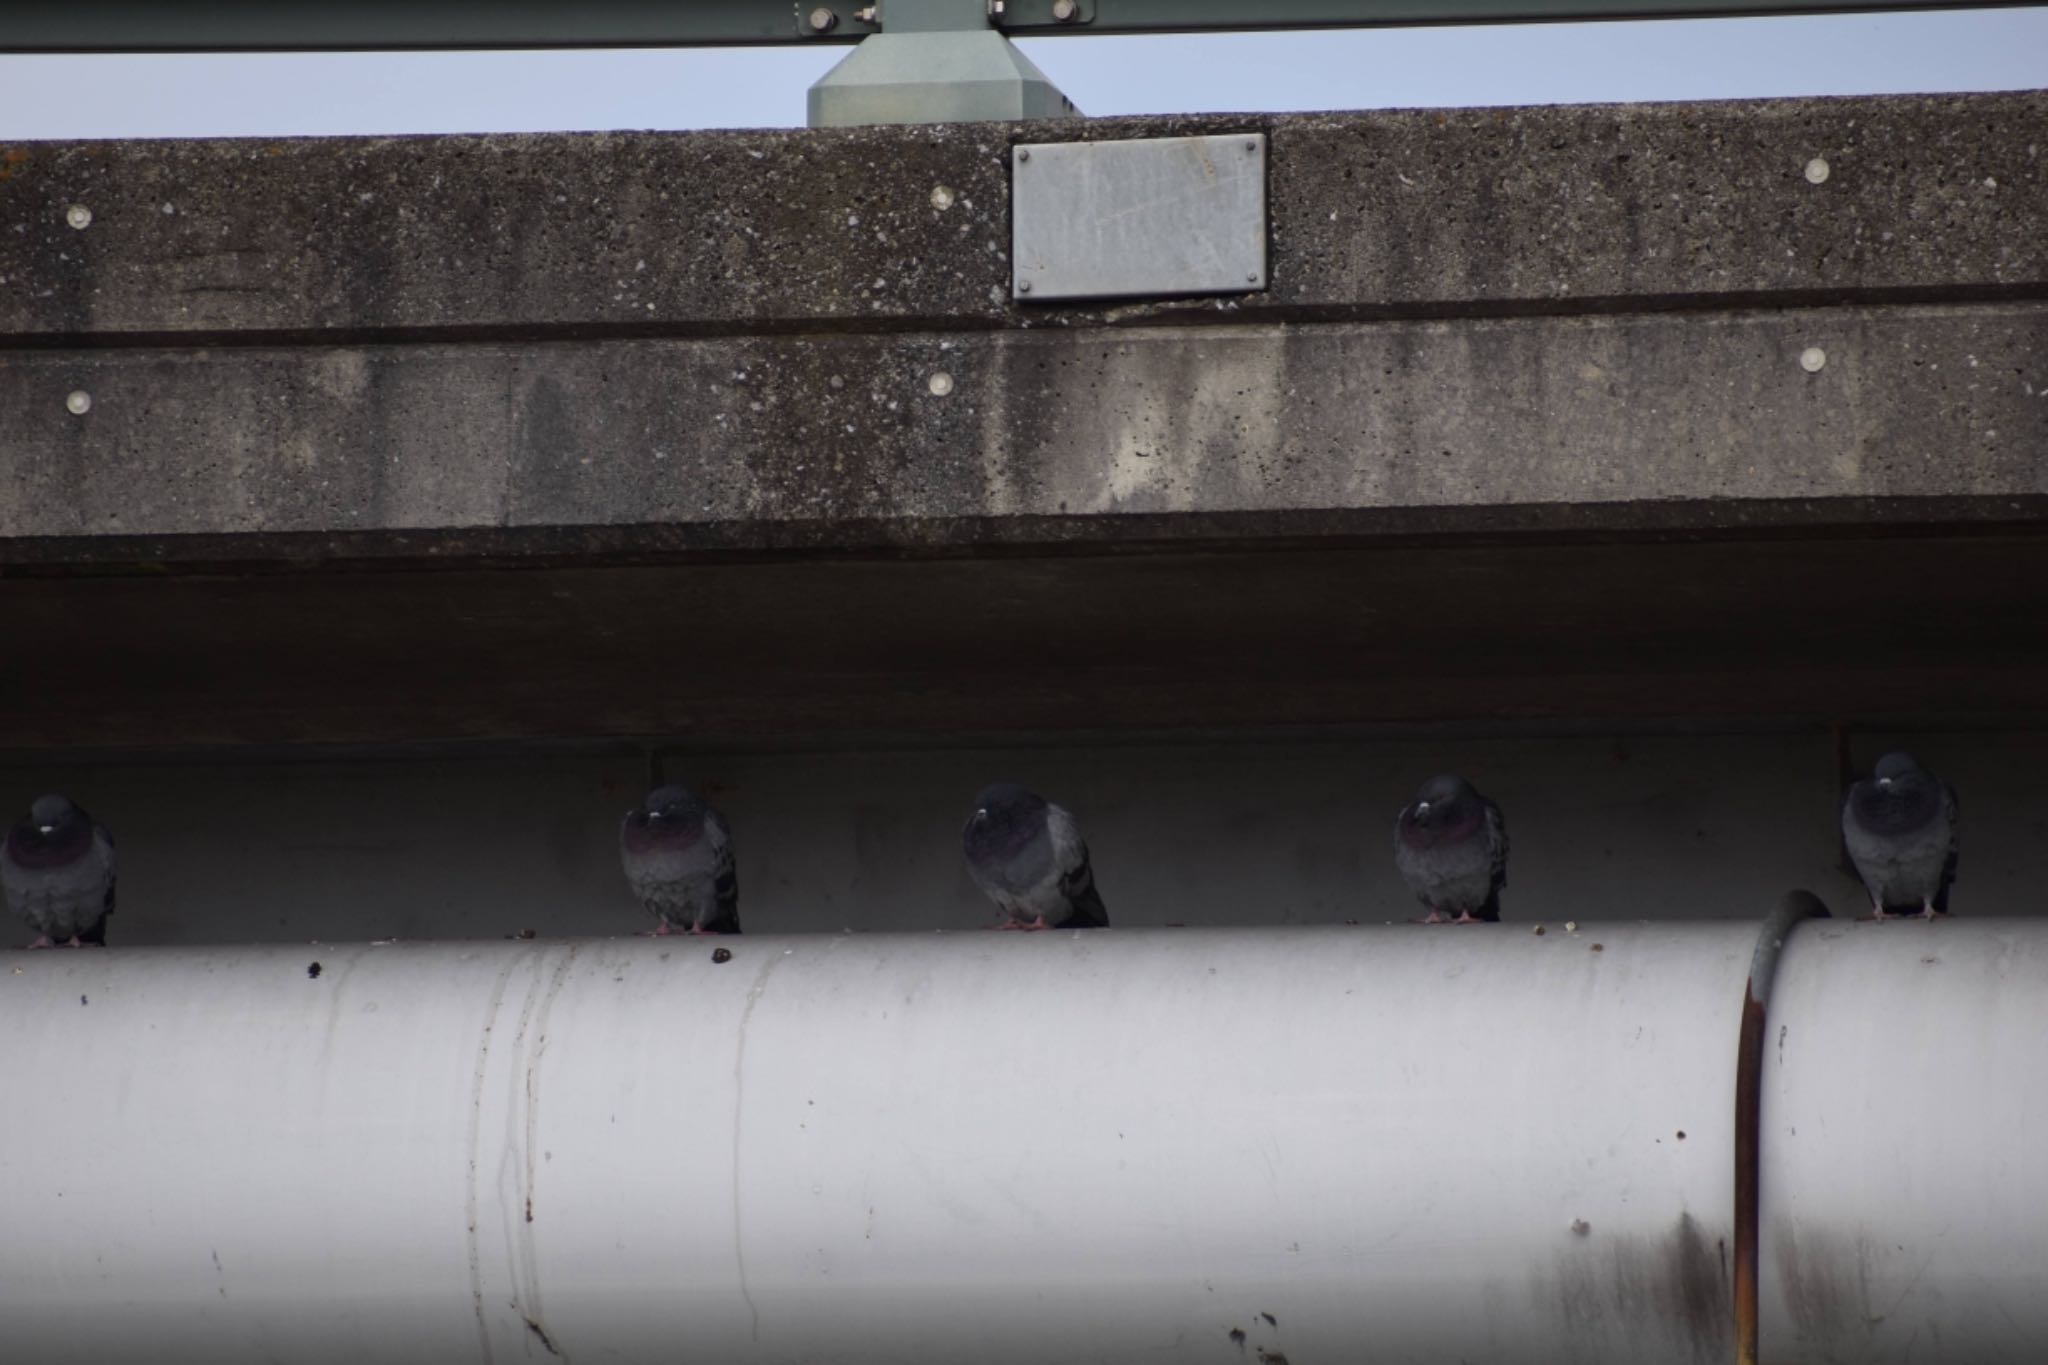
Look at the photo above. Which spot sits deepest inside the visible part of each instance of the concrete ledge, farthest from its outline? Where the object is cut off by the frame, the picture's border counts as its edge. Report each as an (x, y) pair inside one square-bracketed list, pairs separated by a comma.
[(793, 443), (1815, 632), (1373, 215)]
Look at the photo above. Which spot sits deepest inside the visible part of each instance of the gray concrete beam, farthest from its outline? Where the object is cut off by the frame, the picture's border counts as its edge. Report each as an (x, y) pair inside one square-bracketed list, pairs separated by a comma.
[(941, 439), (1821, 632), (1398, 214)]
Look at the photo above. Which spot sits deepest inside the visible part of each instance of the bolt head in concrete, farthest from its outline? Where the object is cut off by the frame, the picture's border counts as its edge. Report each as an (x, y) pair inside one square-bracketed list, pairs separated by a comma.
[(1812, 359), (78, 402), (942, 198), (940, 384), (79, 216), (1816, 171)]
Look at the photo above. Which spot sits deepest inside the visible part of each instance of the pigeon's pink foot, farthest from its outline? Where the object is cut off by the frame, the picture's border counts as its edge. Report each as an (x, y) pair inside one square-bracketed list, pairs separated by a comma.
[(1433, 917), (1038, 923), (42, 941), (1466, 917), (77, 942), (1928, 912)]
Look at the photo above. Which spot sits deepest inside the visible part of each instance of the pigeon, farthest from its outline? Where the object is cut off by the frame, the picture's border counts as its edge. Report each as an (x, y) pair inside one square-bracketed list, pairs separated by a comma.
[(1451, 846), (57, 872), (677, 855), (1027, 855), (1900, 829)]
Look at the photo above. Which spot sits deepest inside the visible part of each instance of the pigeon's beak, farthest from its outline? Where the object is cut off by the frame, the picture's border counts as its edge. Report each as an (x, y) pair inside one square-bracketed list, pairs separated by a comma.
[(47, 829), (1884, 784), (1422, 807), (981, 815)]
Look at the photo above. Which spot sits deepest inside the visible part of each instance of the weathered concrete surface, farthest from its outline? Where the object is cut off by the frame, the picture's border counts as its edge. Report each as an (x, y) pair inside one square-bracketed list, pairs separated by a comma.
[(1521, 432), (1578, 318), (1382, 214), (838, 441)]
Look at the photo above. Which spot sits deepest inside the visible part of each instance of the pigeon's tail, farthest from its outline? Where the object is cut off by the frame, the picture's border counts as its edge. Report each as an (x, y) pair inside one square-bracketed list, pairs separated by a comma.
[(726, 896), (97, 934), (1948, 866), (1086, 910)]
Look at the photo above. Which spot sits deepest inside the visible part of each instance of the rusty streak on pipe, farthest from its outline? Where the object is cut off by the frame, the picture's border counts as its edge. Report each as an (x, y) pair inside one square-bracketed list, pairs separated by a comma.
[(1748, 1081), (1749, 1068)]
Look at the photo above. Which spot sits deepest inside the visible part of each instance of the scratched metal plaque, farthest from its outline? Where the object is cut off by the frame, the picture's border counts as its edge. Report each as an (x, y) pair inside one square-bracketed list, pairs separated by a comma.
[(1150, 216)]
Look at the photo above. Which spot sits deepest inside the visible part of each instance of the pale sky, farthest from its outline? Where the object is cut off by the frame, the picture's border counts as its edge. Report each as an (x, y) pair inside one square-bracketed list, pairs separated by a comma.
[(279, 95)]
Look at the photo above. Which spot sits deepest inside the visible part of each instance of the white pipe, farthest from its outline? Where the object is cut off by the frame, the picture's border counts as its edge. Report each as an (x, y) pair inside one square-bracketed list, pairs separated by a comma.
[(1393, 1144), (1905, 1145)]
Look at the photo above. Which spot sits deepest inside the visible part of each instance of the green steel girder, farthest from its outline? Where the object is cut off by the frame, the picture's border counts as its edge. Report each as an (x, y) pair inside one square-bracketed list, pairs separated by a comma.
[(340, 25)]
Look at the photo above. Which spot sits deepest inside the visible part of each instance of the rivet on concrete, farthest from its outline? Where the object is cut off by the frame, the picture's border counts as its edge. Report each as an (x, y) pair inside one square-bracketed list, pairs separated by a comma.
[(79, 216), (942, 198), (1817, 171), (78, 402), (940, 384), (1812, 359)]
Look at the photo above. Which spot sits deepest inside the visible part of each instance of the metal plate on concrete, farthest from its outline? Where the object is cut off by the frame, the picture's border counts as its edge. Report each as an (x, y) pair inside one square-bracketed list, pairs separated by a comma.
[(1147, 216)]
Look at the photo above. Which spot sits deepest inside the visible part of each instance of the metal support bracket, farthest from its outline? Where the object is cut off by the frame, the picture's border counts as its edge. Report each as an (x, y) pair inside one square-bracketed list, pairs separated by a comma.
[(935, 61)]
